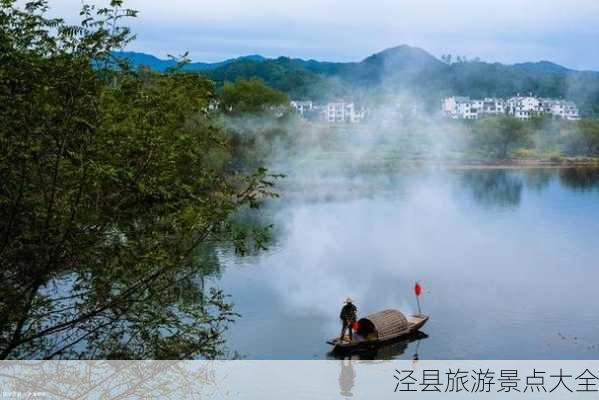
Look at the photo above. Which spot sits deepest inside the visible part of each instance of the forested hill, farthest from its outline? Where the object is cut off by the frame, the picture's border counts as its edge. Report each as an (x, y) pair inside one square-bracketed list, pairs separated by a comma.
[(404, 68), (157, 64)]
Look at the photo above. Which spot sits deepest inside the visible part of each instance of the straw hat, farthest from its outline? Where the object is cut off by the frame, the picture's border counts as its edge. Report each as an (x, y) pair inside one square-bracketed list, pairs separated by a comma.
[(349, 300)]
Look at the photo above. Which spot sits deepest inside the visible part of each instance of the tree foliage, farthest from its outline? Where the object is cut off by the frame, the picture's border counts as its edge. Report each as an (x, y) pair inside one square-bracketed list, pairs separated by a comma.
[(250, 96), (115, 188), (584, 136), (497, 136)]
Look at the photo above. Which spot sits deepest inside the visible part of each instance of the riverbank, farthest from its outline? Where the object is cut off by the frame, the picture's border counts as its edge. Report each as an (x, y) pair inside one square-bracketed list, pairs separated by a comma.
[(344, 162), (512, 163)]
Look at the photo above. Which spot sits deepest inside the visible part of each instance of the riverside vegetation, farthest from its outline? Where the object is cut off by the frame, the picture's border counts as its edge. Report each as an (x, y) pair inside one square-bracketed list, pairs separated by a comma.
[(116, 188)]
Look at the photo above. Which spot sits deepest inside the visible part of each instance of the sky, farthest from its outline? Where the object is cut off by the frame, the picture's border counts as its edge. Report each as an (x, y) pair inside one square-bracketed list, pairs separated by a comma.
[(507, 31)]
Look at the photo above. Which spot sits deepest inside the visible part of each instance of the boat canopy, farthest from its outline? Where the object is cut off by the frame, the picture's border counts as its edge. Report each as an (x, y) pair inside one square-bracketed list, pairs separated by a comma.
[(386, 324)]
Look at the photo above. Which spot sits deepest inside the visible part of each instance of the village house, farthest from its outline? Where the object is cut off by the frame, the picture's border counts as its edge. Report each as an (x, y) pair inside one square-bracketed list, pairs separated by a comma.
[(465, 108), (302, 107), (561, 109), (524, 107), (335, 112), (521, 107)]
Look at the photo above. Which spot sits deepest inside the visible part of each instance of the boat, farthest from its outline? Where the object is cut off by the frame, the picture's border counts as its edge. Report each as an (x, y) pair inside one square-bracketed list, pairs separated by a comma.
[(389, 350), (379, 328)]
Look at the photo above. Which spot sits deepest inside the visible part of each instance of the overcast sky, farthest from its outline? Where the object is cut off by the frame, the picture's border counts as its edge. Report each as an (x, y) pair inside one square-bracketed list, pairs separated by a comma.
[(508, 31)]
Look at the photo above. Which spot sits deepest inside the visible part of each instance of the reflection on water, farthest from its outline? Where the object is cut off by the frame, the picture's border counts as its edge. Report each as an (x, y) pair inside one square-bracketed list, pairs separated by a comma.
[(493, 188), (347, 377), (508, 260), (106, 379), (387, 351), (538, 179), (580, 178)]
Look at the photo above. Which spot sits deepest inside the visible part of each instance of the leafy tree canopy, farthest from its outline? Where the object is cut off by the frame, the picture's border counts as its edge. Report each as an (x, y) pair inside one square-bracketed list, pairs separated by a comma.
[(498, 135), (115, 189), (250, 96)]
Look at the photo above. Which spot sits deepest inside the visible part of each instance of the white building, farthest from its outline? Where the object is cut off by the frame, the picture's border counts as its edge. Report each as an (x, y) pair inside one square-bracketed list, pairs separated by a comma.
[(302, 107), (570, 111), (335, 112), (522, 107), (493, 106), (561, 109), (341, 112), (466, 108), (458, 108)]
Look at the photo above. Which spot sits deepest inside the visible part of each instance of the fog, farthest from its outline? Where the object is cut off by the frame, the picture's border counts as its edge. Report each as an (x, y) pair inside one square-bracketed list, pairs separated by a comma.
[(503, 256), (368, 209)]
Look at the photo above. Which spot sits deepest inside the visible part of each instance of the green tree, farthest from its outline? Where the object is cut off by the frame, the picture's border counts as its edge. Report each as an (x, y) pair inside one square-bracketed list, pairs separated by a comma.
[(587, 136), (115, 189), (250, 96), (497, 136)]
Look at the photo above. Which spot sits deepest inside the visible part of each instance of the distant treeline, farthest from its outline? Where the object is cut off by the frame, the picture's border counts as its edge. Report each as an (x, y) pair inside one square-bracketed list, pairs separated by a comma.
[(401, 69), (540, 137), (412, 70)]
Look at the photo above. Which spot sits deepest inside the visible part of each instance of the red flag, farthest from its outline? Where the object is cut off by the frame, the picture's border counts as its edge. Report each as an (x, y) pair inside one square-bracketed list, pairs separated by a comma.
[(417, 289)]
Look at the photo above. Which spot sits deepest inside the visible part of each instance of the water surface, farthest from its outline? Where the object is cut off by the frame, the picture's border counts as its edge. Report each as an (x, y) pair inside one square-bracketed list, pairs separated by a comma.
[(509, 260)]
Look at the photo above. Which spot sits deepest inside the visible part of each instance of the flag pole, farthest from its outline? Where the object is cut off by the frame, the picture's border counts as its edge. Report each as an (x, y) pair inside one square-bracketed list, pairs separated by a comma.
[(417, 291)]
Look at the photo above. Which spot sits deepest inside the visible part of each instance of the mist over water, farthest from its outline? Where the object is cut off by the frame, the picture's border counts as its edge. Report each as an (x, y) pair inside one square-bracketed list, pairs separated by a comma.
[(506, 258)]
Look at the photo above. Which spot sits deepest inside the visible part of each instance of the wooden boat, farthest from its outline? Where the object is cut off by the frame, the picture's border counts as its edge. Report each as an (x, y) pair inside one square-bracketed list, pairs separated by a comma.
[(388, 350), (379, 328)]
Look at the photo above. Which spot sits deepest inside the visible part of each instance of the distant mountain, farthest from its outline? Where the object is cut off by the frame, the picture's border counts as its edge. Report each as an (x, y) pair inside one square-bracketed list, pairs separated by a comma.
[(403, 68), (142, 59), (400, 66), (403, 57), (542, 67), (382, 68)]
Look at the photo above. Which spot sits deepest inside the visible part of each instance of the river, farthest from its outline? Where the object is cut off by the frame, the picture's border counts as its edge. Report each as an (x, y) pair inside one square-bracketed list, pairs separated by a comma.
[(508, 260)]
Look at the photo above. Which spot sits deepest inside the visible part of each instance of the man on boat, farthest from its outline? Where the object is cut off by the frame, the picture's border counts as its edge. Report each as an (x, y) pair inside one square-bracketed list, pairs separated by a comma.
[(348, 316)]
